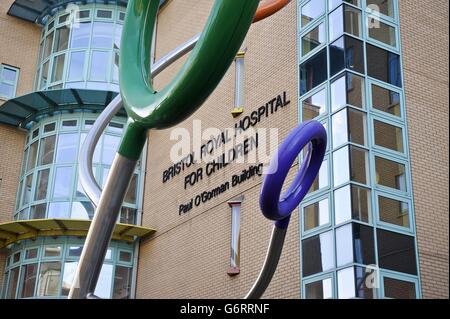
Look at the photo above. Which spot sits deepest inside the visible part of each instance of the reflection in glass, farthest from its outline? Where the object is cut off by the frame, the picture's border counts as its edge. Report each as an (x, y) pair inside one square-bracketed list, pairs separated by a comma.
[(355, 243), (38, 211), (321, 289), (63, 182), (334, 3), (316, 215), (393, 211), (130, 196), (390, 174), (317, 254), (383, 65), (110, 146), (44, 75), (346, 53), (314, 105), (346, 283), (344, 19), (382, 32), (76, 66), (82, 210), (313, 39), (27, 190), (396, 252), (312, 10), (348, 89), (388, 136), (349, 126), (125, 256), (122, 282), (62, 39), (128, 216), (356, 282), (80, 35), (32, 156), (59, 210), (386, 100), (103, 289), (48, 45), (118, 36), (321, 180), (70, 268), (399, 289), (352, 202), (350, 166), (47, 149), (31, 253), (58, 68), (385, 7), (313, 72), (49, 277), (52, 251), (102, 35), (67, 148), (75, 251), (28, 280), (12, 284), (42, 184), (99, 65)]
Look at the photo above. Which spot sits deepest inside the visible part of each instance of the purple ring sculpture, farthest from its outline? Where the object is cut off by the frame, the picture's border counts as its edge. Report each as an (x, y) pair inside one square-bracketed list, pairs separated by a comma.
[(311, 134)]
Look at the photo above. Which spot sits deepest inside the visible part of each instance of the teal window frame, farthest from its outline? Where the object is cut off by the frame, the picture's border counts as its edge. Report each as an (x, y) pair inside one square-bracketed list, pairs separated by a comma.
[(372, 149), (14, 83)]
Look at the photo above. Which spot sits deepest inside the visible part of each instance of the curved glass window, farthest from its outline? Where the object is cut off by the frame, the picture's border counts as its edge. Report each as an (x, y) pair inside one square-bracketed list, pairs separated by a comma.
[(49, 185), (81, 51), (45, 268)]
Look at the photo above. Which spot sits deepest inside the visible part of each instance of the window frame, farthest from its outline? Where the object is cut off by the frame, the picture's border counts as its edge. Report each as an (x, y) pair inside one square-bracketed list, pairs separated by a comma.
[(14, 83)]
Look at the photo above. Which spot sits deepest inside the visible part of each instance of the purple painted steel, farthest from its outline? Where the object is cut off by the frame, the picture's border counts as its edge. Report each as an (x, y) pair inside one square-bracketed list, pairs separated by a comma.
[(311, 134)]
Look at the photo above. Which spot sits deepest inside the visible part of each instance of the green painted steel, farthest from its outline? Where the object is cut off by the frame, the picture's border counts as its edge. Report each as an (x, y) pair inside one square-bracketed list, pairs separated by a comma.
[(221, 39)]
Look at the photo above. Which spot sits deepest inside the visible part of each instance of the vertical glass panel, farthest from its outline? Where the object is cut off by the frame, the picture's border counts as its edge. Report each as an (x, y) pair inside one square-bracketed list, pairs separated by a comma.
[(385, 7), (312, 10), (9, 75), (348, 89), (115, 67), (321, 289), (366, 283), (128, 215), (63, 18), (35, 133), (382, 32), (75, 251), (125, 256), (70, 268), (390, 174), (344, 245), (31, 253), (28, 280), (341, 169), (334, 3), (59, 210), (23, 214), (393, 211), (321, 180), (313, 72), (340, 128), (80, 35), (386, 100), (25, 160), (396, 252), (349, 126), (48, 45), (316, 215), (102, 35), (383, 65), (63, 182), (346, 283), (6, 90), (58, 68), (52, 251), (76, 67), (104, 14), (69, 125), (32, 156), (99, 65), (82, 210), (315, 105), (27, 190), (130, 196), (103, 289), (44, 75), (110, 146), (42, 184), (317, 254), (359, 165), (336, 23), (346, 53), (313, 39), (47, 150), (38, 211), (117, 36), (122, 282), (49, 277), (388, 136), (352, 21), (67, 148), (399, 289), (12, 284), (62, 39)]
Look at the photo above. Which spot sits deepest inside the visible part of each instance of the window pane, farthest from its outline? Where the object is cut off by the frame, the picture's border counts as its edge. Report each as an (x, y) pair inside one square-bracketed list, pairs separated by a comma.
[(49, 277), (386, 100), (105, 14), (348, 89), (38, 211), (9, 75), (27, 190), (52, 251), (316, 214), (321, 289), (32, 156), (313, 72), (130, 196), (58, 68), (82, 210), (59, 210), (31, 253), (334, 3), (355, 243), (122, 282), (115, 67), (99, 65), (28, 280), (383, 65), (355, 282), (352, 21), (385, 7), (348, 126), (125, 256), (336, 23), (393, 211), (69, 125), (352, 202), (63, 182), (7, 90), (75, 251), (80, 35), (396, 252), (44, 75), (381, 31), (42, 184), (390, 174), (110, 146), (47, 150), (67, 148), (103, 289), (350, 167), (128, 215), (83, 14), (317, 254), (346, 52), (12, 284), (313, 39), (321, 180), (399, 289), (312, 10), (314, 105), (346, 283), (102, 35), (48, 45), (388, 136), (70, 268), (115, 127), (62, 39), (76, 67), (118, 36)]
